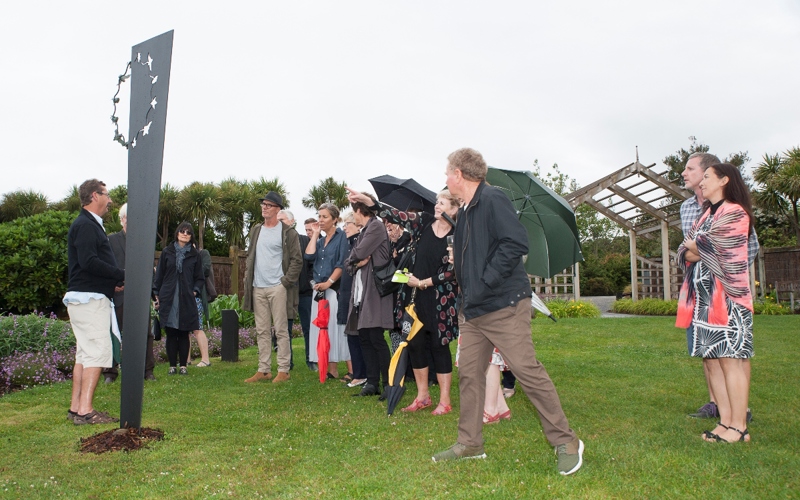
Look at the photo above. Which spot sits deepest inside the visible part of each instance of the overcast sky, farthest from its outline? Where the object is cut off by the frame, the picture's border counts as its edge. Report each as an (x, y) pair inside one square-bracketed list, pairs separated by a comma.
[(303, 90)]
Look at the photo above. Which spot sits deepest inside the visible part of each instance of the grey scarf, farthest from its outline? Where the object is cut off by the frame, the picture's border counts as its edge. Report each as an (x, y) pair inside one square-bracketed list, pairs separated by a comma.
[(180, 254)]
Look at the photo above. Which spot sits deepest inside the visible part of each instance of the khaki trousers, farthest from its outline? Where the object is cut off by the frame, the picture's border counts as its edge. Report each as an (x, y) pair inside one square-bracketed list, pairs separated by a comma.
[(269, 307), (508, 329)]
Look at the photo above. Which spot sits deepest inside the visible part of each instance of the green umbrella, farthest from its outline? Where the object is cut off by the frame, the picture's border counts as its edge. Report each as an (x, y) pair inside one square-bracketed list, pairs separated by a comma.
[(553, 241)]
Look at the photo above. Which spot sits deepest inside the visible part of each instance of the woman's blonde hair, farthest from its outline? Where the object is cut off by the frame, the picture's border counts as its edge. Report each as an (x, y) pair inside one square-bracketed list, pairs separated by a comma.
[(445, 193)]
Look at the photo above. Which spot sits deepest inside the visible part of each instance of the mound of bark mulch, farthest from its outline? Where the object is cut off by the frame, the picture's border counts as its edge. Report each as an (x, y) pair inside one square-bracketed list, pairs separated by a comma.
[(120, 439)]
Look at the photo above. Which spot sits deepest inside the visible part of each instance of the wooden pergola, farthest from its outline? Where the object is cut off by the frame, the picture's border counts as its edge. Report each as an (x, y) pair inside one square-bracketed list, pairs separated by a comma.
[(642, 202)]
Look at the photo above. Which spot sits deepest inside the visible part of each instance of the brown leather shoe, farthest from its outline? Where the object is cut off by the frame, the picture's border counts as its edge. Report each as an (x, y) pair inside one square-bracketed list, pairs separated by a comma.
[(259, 377), (281, 377)]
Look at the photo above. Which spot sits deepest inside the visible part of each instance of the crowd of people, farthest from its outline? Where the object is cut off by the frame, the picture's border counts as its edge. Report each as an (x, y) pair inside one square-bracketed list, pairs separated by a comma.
[(464, 275)]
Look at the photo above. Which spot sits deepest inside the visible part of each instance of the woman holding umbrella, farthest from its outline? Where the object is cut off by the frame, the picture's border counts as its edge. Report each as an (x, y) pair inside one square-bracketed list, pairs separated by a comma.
[(328, 256), (432, 283)]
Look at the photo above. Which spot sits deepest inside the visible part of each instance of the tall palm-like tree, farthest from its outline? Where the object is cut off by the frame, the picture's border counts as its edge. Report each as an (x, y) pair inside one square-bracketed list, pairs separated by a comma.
[(71, 202), (168, 211), (234, 198), (22, 204), (779, 180), (327, 191), (199, 202)]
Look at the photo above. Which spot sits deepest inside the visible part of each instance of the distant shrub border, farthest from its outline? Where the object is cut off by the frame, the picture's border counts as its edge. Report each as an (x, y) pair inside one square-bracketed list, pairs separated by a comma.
[(38, 350), (34, 350), (572, 309), (659, 307)]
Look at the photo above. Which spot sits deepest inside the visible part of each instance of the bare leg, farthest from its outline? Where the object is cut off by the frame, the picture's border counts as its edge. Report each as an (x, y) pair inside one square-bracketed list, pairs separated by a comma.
[(89, 379), (421, 377), (202, 343), (709, 370), (445, 381), (738, 389), (349, 366), (77, 377), (746, 364), (490, 405), (723, 403)]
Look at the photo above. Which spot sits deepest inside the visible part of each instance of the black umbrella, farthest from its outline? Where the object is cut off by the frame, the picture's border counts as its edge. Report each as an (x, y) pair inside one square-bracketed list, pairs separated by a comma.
[(399, 364), (403, 194)]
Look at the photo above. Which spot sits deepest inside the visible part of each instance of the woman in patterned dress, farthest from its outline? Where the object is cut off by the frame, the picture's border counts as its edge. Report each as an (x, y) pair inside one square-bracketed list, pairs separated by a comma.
[(715, 295), (432, 284)]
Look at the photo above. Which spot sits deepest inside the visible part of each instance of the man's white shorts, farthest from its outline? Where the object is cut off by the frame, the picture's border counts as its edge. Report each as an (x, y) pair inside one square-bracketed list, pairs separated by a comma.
[(91, 324)]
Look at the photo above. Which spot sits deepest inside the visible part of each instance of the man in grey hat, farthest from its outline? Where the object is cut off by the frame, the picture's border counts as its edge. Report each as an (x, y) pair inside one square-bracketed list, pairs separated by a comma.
[(274, 260)]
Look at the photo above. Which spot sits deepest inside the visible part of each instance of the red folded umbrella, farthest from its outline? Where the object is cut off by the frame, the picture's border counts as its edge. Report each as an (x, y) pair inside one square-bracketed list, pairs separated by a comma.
[(323, 341)]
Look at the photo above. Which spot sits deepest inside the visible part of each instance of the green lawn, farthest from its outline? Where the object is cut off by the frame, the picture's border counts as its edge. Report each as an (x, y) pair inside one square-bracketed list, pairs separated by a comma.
[(625, 384)]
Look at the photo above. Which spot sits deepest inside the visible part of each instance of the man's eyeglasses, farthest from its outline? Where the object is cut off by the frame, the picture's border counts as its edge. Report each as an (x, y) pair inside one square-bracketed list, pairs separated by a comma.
[(101, 193), (268, 205)]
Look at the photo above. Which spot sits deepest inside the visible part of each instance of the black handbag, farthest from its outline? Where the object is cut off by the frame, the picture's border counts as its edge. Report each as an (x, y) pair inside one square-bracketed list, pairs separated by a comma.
[(155, 329), (384, 274)]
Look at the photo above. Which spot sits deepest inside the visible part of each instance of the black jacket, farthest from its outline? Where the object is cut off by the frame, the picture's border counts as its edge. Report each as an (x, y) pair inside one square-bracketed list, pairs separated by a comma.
[(92, 266), (307, 271), (489, 244), (191, 281), (117, 242)]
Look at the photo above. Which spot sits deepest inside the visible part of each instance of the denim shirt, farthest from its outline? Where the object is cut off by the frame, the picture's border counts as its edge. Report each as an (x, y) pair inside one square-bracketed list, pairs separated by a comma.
[(328, 257)]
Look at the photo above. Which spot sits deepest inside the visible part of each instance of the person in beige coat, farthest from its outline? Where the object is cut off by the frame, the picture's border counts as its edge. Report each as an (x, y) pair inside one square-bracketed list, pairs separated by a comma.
[(274, 260)]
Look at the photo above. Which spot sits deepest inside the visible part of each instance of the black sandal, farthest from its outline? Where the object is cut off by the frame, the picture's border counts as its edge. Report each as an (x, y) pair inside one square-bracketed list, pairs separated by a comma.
[(741, 437), (711, 436)]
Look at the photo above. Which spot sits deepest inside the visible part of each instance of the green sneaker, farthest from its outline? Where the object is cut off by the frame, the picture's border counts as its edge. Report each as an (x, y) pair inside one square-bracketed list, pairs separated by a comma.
[(459, 450), (570, 457)]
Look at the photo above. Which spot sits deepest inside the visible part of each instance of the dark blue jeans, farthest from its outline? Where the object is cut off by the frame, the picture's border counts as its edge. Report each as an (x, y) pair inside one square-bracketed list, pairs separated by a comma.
[(304, 309), (357, 357)]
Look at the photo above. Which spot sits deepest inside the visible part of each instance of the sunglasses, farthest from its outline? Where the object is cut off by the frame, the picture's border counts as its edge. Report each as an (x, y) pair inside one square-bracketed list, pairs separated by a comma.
[(186, 231)]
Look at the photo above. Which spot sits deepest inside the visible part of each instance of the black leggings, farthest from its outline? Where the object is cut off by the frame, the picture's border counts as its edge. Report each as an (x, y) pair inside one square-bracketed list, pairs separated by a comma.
[(376, 355), (425, 342), (177, 343)]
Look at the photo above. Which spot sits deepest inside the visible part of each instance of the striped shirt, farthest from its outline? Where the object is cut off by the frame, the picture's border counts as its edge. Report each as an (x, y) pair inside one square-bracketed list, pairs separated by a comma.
[(691, 210)]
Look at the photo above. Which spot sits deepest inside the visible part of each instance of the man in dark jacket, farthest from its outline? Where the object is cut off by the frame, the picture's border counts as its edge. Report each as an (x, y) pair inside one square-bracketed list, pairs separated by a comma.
[(495, 311), (117, 242), (93, 276)]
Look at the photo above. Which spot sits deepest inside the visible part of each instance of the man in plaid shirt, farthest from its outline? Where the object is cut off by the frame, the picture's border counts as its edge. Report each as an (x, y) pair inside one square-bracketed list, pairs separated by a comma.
[(691, 210)]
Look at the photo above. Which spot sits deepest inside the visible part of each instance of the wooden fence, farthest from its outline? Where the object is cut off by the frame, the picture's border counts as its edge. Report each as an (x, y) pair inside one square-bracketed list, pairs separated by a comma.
[(779, 269)]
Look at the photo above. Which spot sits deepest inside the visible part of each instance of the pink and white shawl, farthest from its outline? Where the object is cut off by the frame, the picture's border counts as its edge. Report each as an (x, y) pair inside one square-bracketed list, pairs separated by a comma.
[(723, 251)]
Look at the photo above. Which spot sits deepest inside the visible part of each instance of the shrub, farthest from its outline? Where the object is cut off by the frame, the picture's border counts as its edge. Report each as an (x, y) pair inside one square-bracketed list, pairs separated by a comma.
[(658, 307), (246, 318), (34, 333), (770, 307), (606, 275), (22, 370), (646, 307), (33, 261), (572, 309)]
